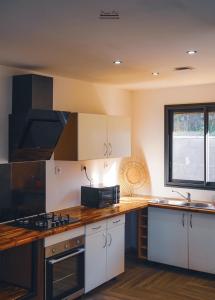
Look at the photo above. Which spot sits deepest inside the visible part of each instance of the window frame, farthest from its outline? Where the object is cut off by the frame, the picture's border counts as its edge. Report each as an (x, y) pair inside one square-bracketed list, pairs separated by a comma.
[(169, 110)]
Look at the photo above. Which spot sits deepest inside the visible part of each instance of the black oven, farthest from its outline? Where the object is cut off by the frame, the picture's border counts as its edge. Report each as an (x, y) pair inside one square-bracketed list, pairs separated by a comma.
[(65, 270)]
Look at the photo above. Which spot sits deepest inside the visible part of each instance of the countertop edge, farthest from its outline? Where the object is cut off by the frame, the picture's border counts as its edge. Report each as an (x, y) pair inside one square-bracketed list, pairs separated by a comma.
[(14, 236)]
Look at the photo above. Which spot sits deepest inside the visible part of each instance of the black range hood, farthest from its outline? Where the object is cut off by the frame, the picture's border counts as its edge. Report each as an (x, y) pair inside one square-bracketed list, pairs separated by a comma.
[(34, 127)]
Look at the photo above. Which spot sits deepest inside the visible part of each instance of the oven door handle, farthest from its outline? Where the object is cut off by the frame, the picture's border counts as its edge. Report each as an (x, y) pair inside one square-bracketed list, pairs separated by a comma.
[(54, 261)]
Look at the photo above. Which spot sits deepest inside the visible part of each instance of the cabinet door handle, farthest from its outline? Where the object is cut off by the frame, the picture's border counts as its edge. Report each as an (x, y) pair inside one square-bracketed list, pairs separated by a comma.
[(183, 216), (191, 221), (54, 261), (106, 149), (105, 239), (96, 228), (110, 147), (114, 222), (110, 240)]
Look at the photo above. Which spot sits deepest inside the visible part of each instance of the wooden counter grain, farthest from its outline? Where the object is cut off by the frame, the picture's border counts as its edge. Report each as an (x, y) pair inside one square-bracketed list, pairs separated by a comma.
[(15, 236), (11, 236)]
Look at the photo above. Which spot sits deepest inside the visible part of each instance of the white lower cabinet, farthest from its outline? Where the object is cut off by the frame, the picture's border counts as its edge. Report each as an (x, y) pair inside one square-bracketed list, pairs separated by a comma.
[(202, 242), (105, 251), (95, 260), (167, 236), (115, 251), (182, 239)]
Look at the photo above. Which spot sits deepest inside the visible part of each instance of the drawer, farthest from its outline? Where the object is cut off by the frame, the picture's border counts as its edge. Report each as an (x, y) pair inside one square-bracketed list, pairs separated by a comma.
[(96, 227), (115, 221), (64, 236)]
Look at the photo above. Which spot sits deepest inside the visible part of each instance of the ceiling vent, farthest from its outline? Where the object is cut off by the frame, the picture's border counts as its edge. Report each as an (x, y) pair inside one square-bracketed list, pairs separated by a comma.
[(183, 68), (109, 15)]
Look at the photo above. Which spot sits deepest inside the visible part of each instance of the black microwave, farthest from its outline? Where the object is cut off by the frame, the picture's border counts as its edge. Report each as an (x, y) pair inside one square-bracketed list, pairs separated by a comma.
[(100, 196)]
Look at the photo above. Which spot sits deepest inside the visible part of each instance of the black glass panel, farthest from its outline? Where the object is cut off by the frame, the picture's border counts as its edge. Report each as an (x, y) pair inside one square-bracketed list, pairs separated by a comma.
[(65, 276), (42, 134), (22, 187)]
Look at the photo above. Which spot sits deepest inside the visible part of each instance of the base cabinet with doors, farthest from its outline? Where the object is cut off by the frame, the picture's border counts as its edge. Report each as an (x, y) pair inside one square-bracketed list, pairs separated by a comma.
[(105, 251), (167, 237), (183, 239), (201, 242)]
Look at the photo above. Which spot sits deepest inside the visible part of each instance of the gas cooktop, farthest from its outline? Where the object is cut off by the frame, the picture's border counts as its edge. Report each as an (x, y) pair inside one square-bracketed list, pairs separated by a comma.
[(45, 221)]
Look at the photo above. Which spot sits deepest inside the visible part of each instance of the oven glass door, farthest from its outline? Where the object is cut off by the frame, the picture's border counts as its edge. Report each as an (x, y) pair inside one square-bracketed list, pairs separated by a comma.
[(65, 274)]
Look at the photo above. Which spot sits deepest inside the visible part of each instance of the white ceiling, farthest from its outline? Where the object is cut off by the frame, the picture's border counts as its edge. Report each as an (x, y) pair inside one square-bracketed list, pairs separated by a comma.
[(67, 38)]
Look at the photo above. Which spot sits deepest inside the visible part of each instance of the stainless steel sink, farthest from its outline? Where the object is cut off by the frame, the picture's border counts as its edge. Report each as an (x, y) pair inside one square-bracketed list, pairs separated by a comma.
[(169, 202), (200, 205), (183, 203), (176, 202)]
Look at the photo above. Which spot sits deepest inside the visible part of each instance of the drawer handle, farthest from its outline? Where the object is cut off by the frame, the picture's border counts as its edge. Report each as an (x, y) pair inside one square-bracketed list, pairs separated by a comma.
[(96, 228), (116, 221), (54, 261)]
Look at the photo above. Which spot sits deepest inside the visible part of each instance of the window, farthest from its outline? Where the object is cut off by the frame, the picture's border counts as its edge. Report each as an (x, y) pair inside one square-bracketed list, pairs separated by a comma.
[(190, 145)]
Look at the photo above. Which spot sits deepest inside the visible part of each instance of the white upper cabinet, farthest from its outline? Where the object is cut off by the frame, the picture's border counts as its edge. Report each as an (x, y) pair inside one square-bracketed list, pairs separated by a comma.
[(92, 135), (119, 136), (101, 136)]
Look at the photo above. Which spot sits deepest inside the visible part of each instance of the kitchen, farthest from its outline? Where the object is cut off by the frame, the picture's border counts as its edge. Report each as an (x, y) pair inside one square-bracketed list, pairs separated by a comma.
[(141, 99)]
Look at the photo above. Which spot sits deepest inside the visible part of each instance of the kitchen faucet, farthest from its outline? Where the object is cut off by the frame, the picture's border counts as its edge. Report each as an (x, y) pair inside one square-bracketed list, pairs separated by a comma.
[(188, 197)]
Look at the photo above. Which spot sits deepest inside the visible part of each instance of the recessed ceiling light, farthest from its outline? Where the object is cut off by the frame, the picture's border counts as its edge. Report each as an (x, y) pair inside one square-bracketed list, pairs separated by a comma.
[(117, 62), (184, 68), (155, 73), (191, 52)]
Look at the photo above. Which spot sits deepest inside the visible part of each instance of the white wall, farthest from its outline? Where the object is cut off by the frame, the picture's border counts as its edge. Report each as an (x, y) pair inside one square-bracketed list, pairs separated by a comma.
[(148, 132), (147, 107), (79, 96), (64, 180), (63, 188)]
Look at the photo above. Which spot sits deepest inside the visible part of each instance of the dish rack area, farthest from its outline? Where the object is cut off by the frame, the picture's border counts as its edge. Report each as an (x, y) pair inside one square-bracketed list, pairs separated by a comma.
[(142, 234)]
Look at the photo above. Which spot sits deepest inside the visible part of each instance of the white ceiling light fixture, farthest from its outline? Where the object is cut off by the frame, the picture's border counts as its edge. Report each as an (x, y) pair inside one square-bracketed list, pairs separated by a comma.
[(191, 52), (117, 62), (155, 73)]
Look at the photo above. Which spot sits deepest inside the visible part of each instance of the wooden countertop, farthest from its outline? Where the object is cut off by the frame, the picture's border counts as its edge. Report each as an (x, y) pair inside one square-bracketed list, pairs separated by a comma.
[(11, 236)]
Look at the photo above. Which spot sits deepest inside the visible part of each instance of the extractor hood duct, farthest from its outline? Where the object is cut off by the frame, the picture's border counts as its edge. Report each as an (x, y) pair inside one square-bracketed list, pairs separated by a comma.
[(34, 127)]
